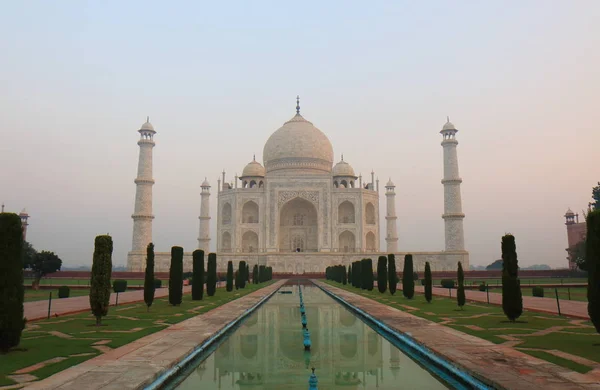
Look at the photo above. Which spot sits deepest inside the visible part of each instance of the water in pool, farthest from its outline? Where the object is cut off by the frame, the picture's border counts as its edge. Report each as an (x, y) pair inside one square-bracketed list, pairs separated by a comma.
[(267, 352)]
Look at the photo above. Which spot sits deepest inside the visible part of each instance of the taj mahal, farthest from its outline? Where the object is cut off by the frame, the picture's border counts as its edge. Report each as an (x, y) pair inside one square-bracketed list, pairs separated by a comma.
[(298, 212)]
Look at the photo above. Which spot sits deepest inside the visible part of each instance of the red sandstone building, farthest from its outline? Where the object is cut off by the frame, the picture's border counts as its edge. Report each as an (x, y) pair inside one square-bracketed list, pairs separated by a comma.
[(575, 234)]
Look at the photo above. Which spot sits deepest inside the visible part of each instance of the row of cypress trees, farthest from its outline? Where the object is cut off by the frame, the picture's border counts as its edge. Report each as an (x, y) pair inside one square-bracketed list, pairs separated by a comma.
[(336, 273)]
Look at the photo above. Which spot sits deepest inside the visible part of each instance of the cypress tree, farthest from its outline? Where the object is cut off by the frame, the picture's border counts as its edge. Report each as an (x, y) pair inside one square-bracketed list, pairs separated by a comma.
[(408, 282), (100, 279), (229, 283), (382, 276), (460, 293), (428, 283), (211, 276), (262, 273), (392, 282), (198, 275), (12, 292), (176, 276), (149, 277), (344, 276), (255, 274), (242, 274), (236, 279), (512, 300), (367, 274), (592, 255), (350, 274)]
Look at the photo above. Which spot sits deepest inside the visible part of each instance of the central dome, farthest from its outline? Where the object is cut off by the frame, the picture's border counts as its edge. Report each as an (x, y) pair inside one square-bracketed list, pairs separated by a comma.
[(298, 146)]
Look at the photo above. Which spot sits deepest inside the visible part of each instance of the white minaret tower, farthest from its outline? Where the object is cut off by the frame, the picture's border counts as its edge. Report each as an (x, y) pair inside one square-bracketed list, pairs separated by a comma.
[(391, 236), (142, 214), (453, 215), (204, 233)]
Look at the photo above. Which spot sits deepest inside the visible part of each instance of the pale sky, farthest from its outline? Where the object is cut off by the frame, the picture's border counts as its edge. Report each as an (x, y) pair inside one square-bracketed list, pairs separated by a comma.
[(519, 79)]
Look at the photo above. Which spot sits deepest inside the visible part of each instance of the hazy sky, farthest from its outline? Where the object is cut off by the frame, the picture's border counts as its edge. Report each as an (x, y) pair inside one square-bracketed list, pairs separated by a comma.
[(519, 79)]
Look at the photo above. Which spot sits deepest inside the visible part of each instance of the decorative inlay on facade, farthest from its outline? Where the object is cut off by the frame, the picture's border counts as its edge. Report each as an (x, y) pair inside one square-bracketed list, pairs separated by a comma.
[(311, 196)]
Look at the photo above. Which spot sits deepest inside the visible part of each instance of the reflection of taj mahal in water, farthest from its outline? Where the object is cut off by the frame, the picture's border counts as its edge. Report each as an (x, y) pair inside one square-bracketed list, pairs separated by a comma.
[(266, 351), (300, 213)]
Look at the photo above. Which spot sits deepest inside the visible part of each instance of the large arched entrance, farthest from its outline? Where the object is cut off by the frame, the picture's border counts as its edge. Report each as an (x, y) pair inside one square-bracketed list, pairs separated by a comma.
[(298, 227)]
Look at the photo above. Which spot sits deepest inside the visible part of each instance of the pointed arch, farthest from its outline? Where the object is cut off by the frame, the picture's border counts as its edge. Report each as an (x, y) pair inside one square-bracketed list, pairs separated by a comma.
[(370, 238), (226, 214), (347, 242), (370, 214), (250, 212), (346, 212), (250, 242), (226, 242)]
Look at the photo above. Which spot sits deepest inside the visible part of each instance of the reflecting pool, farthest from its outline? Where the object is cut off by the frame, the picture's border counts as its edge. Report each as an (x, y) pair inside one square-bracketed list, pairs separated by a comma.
[(266, 351)]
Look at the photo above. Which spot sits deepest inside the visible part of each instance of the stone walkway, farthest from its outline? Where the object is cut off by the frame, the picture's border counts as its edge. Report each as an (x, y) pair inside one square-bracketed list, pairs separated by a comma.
[(38, 310), (576, 309), (136, 364), (500, 364)]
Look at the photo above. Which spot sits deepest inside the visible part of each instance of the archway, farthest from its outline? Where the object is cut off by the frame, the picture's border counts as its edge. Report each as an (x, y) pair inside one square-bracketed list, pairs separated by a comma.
[(347, 242), (249, 242), (226, 216), (298, 224), (250, 212), (226, 242), (370, 241), (346, 212), (370, 214)]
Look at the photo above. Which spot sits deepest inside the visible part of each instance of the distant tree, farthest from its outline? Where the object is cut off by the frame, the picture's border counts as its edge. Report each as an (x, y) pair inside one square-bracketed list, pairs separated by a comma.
[(428, 283), (149, 277), (496, 265), (12, 292), (350, 274), (44, 263), (344, 276), (255, 274), (512, 300), (460, 293), (596, 196), (392, 276), (382, 275), (236, 279), (211, 277), (28, 255), (242, 273), (577, 255), (408, 282), (176, 276), (197, 275), (100, 279), (262, 273), (229, 282), (593, 265)]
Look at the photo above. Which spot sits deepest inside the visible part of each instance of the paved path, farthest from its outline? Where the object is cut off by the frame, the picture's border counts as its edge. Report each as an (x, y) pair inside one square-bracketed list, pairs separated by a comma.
[(135, 365), (504, 366), (577, 309), (38, 310)]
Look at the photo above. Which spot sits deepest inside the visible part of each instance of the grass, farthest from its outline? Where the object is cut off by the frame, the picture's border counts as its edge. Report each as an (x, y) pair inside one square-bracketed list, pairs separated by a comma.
[(577, 337), (121, 326), (498, 281), (41, 295), (81, 282)]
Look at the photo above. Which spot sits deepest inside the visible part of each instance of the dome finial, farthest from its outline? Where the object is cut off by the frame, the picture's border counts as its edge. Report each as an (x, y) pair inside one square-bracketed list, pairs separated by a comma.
[(342, 156), (148, 119), (254, 157), (298, 104), (447, 119)]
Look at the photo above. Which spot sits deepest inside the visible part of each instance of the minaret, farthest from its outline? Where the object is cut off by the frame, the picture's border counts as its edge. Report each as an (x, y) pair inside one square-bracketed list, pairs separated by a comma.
[(142, 214), (453, 215), (24, 217), (391, 236), (204, 234)]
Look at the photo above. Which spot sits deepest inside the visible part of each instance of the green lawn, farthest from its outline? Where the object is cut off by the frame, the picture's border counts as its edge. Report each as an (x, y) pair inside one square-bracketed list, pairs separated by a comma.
[(576, 337), (41, 295), (572, 293), (498, 281), (81, 282), (73, 336)]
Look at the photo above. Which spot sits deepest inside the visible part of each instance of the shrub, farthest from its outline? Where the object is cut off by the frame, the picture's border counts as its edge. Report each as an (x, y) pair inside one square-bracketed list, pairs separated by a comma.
[(447, 283), (537, 291), (422, 282), (592, 254), (211, 277), (255, 274), (382, 276), (350, 274), (366, 269), (229, 283), (242, 274), (408, 281), (262, 273), (119, 285), (512, 300), (64, 292), (344, 276), (12, 292), (392, 276), (460, 293), (149, 281), (428, 283), (100, 279), (176, 276), (157, 284), (198, 275), (415, 276), (482, 287)]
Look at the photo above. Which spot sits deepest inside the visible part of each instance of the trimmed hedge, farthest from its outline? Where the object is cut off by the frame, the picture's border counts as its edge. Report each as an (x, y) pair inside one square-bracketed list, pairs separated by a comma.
[(229, 284), (176, 276), (408, 281), (382, 276), (447, 283), (197, 275), (392, 276), (211, 277), (460, 294), (537, 291), (149, 281), (428, 283), (512, 300), (64, 291), (482, 287), (157, 284), (100, 280), (592, 254), (119, 285)]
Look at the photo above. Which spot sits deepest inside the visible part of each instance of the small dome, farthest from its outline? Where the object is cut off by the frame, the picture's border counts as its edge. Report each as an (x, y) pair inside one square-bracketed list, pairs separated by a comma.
[(448, 125), (23, 212), (569, 213), (205, 183), (390, 183), (343, 169), (253, 169), (147, 125)]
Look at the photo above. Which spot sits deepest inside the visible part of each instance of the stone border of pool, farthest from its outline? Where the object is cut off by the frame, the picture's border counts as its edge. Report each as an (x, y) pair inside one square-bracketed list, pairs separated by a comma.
[(500, 366), (140, 363)]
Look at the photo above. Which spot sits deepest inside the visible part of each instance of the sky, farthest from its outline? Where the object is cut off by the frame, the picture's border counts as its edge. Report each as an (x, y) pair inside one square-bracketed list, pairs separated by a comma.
[(519, 79)]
